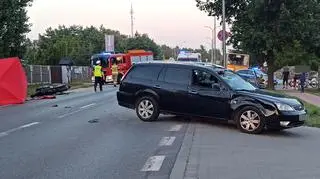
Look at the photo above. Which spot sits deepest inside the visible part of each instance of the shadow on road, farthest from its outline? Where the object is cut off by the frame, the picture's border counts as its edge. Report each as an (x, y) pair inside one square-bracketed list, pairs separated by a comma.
[(229, 125)]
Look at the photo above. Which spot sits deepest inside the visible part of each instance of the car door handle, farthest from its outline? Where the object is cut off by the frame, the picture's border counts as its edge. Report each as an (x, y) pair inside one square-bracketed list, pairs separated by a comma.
[(157, 86), (193, 92)]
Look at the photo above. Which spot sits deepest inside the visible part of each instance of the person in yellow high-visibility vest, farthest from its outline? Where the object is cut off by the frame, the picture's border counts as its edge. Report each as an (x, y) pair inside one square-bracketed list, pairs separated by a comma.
[(98, 75), (115, 72)]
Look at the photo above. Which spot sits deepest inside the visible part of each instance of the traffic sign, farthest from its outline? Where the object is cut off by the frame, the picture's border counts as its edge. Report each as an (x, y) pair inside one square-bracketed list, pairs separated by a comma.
[(109, 43), (220, 37)]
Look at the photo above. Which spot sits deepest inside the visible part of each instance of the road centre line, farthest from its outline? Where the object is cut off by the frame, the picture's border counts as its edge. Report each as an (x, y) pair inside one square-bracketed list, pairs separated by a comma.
[(175, 128), (76, 111), (2, 134), (167, 141), (153, 163), (89, 105)]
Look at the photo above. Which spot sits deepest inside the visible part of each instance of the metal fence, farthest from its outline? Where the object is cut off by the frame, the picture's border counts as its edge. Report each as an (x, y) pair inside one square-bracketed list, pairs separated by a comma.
[(39, 74)]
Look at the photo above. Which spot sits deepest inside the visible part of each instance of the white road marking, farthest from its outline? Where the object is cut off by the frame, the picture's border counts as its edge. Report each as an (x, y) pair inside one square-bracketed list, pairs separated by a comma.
[(175, 128), (154, 163), (29, 125), (89, 105), (68, 114), (2, 134), (167, 141), (76, 111)]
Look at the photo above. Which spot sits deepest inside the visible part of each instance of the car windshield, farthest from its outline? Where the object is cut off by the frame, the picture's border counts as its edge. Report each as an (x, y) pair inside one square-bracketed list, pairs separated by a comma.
[(235, 81), (259, 72)]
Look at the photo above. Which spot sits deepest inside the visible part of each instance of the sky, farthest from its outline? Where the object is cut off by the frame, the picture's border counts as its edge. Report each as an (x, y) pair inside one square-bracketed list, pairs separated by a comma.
[(170, 22)]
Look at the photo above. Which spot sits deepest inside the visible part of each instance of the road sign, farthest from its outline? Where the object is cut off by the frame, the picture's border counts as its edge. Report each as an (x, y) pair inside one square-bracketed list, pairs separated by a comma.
[(228, 34), (109, 43)]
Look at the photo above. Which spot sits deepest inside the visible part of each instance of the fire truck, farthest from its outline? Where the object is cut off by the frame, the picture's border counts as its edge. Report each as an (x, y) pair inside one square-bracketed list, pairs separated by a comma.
[(124, 61)]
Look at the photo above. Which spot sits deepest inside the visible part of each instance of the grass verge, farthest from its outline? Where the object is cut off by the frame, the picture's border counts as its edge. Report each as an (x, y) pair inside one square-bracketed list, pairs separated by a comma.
[(313, 91), (312, 110)]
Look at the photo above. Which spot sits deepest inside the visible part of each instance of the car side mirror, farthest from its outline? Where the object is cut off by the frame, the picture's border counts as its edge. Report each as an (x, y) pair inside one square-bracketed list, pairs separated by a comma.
[(216, 87)]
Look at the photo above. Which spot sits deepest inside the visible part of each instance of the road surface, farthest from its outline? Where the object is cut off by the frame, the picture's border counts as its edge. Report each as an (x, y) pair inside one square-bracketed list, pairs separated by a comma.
[(42, 140), (87, 135)]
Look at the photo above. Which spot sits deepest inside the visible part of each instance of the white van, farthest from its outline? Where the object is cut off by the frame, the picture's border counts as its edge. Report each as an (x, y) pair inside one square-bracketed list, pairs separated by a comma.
[(189, 57)]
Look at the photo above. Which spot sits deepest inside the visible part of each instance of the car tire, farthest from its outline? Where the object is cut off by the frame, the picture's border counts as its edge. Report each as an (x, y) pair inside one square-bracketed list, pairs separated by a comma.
[(250, 120), (147, 109)]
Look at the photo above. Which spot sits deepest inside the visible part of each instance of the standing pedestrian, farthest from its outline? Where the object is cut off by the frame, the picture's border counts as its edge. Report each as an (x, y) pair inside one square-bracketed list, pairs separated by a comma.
[(302, 81), (285, 77), (115, 72), (98, 75)]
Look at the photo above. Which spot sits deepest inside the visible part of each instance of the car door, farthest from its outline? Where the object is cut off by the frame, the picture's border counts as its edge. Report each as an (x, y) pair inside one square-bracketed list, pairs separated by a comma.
[(172, 87), (208, 96)]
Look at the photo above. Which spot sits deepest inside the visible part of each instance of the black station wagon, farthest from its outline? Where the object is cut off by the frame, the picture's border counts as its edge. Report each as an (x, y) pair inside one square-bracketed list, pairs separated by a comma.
[(206, 91)]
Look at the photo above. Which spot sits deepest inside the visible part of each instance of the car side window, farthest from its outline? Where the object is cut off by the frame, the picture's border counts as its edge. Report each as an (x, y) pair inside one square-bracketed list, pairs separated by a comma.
[(203, 79), (147, 72), (177, 76), (243, 71)]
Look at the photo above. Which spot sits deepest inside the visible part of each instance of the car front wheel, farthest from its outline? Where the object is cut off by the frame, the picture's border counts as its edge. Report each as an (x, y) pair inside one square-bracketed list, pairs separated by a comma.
[(250, 120), (147, 109)]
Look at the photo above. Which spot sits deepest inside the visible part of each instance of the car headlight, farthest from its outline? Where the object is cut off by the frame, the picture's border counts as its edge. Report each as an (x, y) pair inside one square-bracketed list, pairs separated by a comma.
[(284, 107)]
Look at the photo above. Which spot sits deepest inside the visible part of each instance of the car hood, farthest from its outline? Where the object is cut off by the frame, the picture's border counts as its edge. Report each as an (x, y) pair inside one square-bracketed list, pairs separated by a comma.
[(270, 97)]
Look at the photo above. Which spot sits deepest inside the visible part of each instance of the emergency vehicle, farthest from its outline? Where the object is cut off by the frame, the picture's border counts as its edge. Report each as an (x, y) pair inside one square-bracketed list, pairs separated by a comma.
[(189, 57), (237, 61), (124, 62)]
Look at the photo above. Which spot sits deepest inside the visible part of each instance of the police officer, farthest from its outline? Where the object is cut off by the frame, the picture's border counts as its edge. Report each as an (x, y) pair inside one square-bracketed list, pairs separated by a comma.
[(98, 75), (115, 72)]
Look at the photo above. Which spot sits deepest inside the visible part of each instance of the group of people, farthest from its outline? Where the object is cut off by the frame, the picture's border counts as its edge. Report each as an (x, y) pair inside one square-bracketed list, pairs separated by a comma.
[(301, 77), (99, 74)]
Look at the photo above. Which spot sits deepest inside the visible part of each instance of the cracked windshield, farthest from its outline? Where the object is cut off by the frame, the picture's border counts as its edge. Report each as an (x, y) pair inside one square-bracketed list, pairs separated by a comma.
[(159, 89)]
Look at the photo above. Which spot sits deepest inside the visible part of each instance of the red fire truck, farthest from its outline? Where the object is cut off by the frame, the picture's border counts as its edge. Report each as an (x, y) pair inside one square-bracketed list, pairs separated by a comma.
[(124, 61)]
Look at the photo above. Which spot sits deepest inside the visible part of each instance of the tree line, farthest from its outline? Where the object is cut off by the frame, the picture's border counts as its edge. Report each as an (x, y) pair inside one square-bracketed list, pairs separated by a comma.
[(79, 43)]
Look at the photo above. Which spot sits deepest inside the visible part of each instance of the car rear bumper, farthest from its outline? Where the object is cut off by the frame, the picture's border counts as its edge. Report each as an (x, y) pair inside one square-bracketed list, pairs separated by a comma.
[(125, 99), (287, 120)]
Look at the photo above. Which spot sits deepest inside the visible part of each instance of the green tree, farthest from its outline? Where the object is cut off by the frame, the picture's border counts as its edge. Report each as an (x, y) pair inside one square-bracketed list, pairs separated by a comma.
[(270, 28), (142, 41), (167, 51), (13, 27)]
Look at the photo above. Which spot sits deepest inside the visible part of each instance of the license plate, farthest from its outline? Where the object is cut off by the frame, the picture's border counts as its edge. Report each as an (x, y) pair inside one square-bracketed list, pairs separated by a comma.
[(303, 117)]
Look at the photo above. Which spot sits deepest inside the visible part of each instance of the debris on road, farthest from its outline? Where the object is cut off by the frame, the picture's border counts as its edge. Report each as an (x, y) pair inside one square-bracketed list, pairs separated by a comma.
[(52, 89), (55, 105), (67, 107), (94, 121), (44, 97)]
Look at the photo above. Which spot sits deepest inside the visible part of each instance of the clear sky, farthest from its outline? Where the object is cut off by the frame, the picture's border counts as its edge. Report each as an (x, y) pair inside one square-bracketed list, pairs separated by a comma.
[(171, 22)]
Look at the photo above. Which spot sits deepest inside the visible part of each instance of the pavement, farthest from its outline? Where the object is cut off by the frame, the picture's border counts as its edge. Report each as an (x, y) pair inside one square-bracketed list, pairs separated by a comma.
[(87, 135), (310, 98), (219, 151)]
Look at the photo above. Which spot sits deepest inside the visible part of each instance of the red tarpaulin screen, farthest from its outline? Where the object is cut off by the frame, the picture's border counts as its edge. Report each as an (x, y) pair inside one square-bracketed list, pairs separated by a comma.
[(13, 82)]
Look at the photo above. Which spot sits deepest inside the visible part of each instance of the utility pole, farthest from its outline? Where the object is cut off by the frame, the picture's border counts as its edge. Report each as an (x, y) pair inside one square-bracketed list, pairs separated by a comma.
[(224, 33), (131, 13), (215, 39)]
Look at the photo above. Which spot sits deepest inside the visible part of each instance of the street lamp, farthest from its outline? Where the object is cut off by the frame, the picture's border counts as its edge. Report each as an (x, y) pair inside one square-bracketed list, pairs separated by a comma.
[(212, 43)]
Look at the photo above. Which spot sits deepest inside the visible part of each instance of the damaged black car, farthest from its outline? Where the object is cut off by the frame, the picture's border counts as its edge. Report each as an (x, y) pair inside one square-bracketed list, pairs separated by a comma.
[(205, 91)]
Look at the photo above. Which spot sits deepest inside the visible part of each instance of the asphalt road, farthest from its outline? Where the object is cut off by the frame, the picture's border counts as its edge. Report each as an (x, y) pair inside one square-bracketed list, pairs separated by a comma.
[(56, 139), (42, 140)]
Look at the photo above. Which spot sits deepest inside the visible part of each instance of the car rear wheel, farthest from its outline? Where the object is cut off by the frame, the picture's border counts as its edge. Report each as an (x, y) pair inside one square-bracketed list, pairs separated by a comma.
[(147, 109), (250, 120)]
